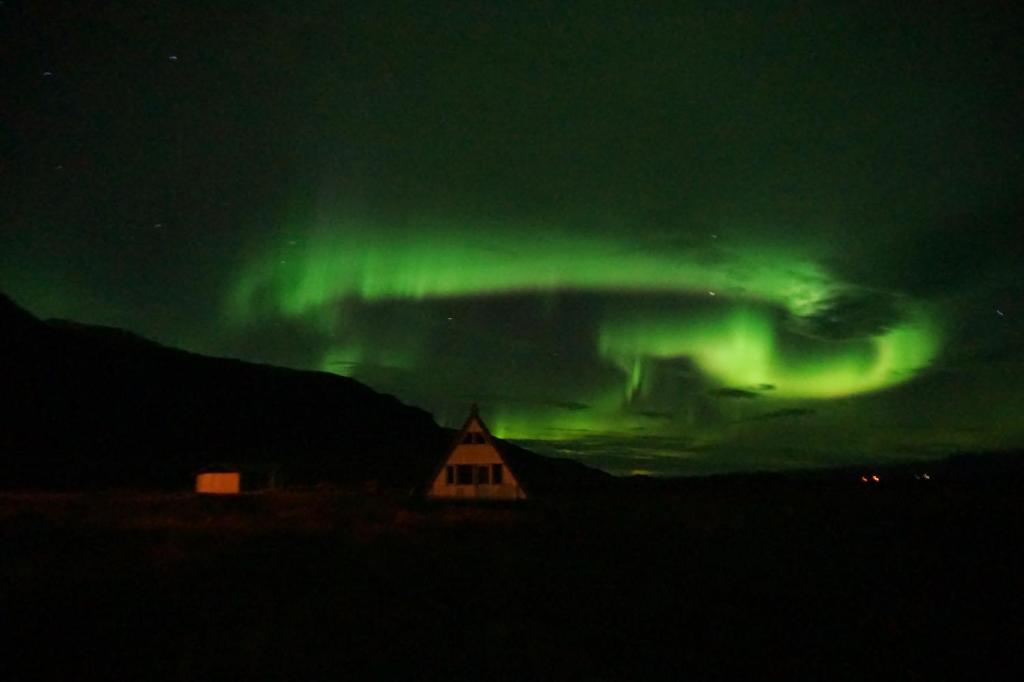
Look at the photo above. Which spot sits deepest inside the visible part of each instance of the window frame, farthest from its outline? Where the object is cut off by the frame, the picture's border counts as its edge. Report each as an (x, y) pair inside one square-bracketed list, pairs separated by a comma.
[(464, 474)]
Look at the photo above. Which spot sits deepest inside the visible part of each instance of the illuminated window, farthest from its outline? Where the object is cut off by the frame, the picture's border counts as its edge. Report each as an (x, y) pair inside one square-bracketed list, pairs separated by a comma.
[(483, 475), (464, 474), (449, 474), (497, 474)]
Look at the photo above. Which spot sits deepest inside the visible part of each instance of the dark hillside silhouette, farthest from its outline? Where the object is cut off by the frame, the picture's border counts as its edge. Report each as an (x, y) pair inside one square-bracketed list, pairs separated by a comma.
[(102, 407)]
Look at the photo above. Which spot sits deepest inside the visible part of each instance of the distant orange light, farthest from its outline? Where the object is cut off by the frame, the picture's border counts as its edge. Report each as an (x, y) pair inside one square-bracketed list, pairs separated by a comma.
[(863, 479), (219, 483), (875, 478)]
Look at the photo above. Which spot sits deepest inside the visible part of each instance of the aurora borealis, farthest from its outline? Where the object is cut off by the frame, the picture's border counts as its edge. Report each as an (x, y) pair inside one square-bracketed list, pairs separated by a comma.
[(683, 240), (731, 341)]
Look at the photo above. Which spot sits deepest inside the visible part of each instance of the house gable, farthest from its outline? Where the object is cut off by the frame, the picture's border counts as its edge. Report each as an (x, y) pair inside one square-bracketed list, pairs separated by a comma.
[(474, 468)]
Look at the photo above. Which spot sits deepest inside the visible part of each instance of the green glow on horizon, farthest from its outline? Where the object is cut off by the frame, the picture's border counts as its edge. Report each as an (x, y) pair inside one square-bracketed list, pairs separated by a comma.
[(604, 416)]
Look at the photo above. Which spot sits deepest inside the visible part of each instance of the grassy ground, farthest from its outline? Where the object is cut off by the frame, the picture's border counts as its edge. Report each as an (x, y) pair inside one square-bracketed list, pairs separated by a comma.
[(711, 583)]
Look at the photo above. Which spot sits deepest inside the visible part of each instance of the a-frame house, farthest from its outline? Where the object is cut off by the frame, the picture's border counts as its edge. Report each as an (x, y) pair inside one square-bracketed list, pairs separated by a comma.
[(474, 468)]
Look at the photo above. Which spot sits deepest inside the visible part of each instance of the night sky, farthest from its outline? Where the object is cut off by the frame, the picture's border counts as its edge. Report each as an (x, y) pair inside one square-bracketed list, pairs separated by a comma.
[(678, 239)]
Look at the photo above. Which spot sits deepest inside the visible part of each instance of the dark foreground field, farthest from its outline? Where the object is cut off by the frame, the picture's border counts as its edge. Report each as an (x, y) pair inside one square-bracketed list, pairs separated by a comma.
[(712, 582)]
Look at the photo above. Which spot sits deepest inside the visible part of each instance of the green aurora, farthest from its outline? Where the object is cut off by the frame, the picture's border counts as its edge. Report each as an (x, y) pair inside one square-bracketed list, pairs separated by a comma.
[(740, 346), (741, 316), (686, 238), (373, 262)]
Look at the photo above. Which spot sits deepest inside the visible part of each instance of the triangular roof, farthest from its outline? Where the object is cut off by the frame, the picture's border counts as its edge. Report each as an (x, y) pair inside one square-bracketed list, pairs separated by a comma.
[(474, 419)]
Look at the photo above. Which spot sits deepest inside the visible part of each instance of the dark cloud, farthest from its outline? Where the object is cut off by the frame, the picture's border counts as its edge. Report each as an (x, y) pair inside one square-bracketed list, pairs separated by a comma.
[(569, 405), (781, 414), (683, 368), (734, 393), (851, 315), (655, 414)]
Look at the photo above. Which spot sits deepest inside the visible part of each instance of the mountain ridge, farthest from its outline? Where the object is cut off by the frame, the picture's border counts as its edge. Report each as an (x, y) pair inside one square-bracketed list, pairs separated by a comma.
[(101, 406)]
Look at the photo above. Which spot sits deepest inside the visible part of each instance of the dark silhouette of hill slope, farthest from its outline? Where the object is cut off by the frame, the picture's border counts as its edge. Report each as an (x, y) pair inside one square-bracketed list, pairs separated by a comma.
[(95, 406)]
